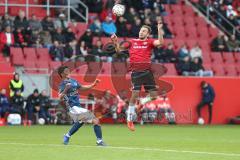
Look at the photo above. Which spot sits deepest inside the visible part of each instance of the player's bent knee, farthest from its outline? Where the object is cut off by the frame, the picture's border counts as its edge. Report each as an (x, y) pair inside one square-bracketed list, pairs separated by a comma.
[(96, 121)]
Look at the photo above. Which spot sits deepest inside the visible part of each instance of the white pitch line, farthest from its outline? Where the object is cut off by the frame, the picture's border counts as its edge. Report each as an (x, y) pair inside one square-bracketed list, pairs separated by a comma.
[(129, 148)]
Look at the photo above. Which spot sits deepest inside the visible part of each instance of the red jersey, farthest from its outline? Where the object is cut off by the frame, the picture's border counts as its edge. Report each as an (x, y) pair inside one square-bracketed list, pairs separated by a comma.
[(140, 54)]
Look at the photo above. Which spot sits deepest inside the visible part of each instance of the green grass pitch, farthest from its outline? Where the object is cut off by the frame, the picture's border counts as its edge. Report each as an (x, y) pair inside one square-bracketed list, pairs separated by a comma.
[(148, 142)]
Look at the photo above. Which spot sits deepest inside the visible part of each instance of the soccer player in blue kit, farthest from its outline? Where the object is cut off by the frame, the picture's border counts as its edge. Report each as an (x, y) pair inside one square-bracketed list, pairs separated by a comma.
[(69, 93)]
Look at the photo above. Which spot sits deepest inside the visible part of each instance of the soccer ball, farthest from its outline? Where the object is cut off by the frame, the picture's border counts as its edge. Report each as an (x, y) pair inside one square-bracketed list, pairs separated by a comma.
[(200, 121), (118, 9), (41, 121)]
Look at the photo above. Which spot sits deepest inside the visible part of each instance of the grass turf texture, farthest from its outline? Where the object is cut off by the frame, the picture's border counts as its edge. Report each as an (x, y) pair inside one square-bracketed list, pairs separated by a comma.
[(148, 142)]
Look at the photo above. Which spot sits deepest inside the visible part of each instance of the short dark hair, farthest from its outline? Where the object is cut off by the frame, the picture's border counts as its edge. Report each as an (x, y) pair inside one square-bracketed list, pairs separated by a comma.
[(61, 70), (148, 27)]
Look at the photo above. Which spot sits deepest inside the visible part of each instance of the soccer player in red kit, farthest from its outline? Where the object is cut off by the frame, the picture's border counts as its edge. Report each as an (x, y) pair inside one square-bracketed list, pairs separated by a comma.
[(140, 53)]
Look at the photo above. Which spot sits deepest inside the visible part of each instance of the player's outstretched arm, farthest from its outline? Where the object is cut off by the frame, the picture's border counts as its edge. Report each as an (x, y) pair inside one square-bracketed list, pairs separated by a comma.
[(86, 87), (160, 40), (114, 39)]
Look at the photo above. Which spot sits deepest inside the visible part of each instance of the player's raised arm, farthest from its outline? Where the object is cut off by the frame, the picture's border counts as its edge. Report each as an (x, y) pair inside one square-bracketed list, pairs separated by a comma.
[(159, 41), (114, 39), (86, 87)]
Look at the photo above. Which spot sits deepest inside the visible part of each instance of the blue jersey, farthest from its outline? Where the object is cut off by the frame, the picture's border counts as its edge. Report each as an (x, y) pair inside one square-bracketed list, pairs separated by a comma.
[(72, 96)]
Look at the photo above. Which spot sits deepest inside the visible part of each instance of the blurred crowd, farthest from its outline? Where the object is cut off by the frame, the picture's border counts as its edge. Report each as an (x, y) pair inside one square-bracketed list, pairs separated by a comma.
[(60, 39), (38, 105), (227, 9)]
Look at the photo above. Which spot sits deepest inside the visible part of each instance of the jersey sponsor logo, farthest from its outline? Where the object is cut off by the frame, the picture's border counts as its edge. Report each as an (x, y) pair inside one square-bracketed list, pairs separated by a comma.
[(140, 47)]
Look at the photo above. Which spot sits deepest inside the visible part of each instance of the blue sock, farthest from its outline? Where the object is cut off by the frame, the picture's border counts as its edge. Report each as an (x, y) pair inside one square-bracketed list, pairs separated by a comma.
[(98, 131), (75, 128)]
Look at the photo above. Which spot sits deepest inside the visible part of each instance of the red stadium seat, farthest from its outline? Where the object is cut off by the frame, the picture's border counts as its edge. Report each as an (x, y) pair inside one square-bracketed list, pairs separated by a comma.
[(171, 70), (217, 58), (213, 32), (206, 58), (203, 33), (29, 64), (228, 57), (189, 21), (119, 68), (238, 69), (17, 56), (191, 43), (55, 65), (42, 54), (80, 29), (177, 21), (106, 68), (176, 10), (231, 70), (178, 43), (237, 57), (30, 54), (6, 68), (188, 11), (218, 70), (207, 66), (42, 64), (191, 33)]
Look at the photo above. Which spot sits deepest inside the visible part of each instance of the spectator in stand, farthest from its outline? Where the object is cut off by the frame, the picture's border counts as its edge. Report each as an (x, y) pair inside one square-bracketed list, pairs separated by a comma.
[(6, 41), (218, 44), (33, 106), (56, 52), (107, 12), (35, 24), (70, 50), (233, 44), (4, 103), (131, 15), (87, 37), (109, 27), (136, 28), (196, 52), (108, 105), (159, 5), (46, 39), (44, 106), (83, 50), (165, 55), (196, 69), (122, 30), (21, 21), (148, 111), (59, 36), (16, 84), (208, 97), (35, 39), (47, 24), (60, 2), (69, 35), (183, 52), (97, 50), (19, 38), (147, 21), (230, 11), (61, 22), (17, 103), (183, 66), (167, 32), (164, 108), (96, 27), (98, 5), (7, 21)]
